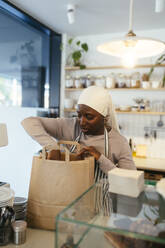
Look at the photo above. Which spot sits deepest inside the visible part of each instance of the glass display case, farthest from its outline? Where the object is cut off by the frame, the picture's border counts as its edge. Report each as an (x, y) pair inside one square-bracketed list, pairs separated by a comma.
[(124, 222)]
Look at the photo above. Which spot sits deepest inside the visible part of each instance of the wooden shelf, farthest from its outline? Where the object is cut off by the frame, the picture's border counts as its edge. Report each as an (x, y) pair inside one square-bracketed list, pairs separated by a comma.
[(140, 113), (147, 89), (125, 112), (69, 110), (75, 68)]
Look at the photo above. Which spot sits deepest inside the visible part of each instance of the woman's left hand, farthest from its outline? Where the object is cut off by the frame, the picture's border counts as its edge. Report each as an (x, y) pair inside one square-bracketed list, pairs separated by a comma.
[(89, 150)]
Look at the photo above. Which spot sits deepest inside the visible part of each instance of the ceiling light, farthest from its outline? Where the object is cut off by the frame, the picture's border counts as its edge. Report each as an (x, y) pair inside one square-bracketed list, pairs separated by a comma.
[(159, 5), (71, 13), (139, 47)]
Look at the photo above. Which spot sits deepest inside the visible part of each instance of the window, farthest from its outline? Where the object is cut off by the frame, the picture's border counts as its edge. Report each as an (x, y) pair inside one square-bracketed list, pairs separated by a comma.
[(26, 77)]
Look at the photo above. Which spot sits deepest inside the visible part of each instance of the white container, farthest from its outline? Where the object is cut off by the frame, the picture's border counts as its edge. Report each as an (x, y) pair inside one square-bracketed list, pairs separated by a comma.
[(156, 84), (100, 81), (110, 82), (69, 82), (145, 84), (77, 83), (68, 103), (88, 81), (132, 180)]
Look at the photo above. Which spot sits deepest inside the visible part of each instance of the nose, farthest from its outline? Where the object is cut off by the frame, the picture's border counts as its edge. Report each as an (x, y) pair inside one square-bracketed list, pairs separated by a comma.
[(82, 121)]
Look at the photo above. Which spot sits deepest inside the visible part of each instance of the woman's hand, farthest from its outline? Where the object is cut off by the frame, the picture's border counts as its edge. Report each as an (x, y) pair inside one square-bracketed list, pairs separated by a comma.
[(89, 150), (53, 155)]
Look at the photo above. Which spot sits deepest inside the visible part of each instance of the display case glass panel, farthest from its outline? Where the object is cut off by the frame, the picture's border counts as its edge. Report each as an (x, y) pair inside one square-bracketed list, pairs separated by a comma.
[(121, 222)]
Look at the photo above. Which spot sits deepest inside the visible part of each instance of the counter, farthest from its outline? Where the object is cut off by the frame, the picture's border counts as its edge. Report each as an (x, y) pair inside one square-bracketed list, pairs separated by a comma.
[(37, 239), (153, 164)]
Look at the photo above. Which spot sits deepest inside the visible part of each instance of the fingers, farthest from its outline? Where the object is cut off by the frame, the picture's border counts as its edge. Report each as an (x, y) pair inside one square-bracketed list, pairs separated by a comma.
[(53, 155), (84, 150)]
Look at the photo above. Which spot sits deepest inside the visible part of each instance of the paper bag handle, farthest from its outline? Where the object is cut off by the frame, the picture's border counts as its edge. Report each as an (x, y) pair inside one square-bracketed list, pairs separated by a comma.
[(55, 147), (68, 142)]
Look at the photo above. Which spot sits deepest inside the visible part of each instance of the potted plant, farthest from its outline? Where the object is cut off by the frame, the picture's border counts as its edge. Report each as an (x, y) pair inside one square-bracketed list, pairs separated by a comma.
[(159, 61), (77, 51)]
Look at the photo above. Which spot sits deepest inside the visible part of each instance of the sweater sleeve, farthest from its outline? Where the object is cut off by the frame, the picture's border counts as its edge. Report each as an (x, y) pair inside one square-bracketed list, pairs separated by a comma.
[(122, 156), (46, 130)]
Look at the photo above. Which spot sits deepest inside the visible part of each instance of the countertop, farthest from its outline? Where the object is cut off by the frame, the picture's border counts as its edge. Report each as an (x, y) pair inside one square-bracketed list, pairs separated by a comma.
[(37, 239), (154, 164)]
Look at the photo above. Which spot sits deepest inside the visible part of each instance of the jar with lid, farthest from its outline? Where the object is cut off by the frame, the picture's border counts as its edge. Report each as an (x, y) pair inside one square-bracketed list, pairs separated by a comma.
[(128, 81), (83, 81), (19, 229), (121, 80), (77, 82), (100, 81), (88, 81), (69, 82), (135, 80), (110, 81)]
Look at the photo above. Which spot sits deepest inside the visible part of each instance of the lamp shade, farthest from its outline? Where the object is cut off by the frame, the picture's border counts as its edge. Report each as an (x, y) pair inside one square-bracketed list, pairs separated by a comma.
[(3, 135), (138, 46)]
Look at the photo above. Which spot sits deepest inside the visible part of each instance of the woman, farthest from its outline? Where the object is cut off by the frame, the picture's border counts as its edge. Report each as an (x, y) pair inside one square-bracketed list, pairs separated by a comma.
[(95, 129)]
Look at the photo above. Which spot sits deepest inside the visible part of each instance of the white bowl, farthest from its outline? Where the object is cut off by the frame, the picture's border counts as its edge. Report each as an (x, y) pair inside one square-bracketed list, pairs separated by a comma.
[(125, 108)]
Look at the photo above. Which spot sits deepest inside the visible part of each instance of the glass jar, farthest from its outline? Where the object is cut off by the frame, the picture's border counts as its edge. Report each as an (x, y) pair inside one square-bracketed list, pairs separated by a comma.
[(88, 81), (100, 81), (110, 81), (128, 81), (69, 82), (121, 80), (135, 80), (77, 82)]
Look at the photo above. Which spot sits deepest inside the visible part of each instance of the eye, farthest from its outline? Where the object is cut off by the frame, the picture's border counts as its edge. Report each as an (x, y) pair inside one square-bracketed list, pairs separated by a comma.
[(89, 117), (79, 115)]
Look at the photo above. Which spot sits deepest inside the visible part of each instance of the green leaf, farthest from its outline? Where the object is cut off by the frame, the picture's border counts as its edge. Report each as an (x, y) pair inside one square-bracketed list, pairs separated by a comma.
[(82, 67), (78, 43), (70, 41), (76, 55), (84, 47)]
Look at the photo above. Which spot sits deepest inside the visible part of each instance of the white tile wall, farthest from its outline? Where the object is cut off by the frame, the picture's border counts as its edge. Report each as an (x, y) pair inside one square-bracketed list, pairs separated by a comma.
[(133, 127)]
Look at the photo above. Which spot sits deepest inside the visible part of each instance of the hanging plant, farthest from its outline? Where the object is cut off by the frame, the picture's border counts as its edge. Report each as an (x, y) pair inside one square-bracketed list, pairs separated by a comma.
[(78, 50)]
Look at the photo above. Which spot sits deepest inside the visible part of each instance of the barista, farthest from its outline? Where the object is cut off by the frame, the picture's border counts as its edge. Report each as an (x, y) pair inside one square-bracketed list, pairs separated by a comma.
[(95, 128)]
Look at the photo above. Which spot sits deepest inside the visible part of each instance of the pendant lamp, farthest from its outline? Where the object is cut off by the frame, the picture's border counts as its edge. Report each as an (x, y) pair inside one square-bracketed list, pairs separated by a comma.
[(132, 45)]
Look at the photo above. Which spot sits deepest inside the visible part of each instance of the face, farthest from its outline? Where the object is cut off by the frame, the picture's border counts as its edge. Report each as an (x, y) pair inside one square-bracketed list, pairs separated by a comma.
[(91, 122)]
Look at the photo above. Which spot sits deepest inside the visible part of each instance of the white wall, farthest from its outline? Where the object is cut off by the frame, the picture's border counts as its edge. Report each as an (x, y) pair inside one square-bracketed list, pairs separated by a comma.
[(16, 158)]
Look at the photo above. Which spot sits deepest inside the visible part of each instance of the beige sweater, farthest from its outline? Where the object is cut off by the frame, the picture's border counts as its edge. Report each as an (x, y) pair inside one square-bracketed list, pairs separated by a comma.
[(46, 130)]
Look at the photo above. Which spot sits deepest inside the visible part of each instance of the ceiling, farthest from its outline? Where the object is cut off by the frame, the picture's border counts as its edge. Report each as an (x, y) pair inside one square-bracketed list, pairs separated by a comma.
[(94, 16)]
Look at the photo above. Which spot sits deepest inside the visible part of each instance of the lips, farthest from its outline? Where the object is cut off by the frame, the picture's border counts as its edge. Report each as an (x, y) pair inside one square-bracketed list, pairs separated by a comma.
[(84, 130)]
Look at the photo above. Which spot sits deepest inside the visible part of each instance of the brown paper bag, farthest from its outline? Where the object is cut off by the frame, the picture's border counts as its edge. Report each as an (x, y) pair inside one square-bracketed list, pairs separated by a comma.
[(54, 184)]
